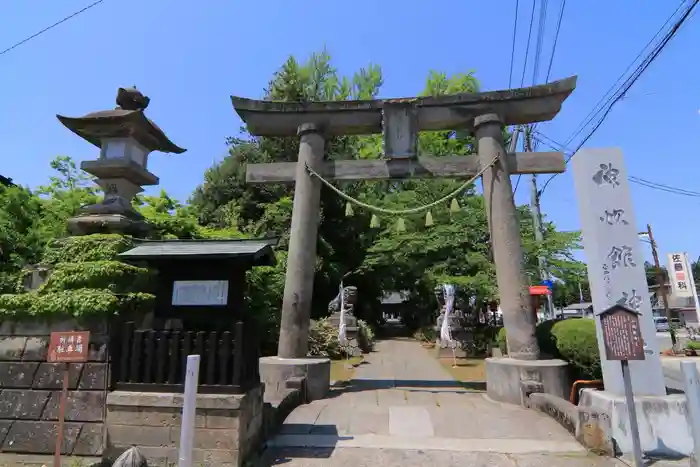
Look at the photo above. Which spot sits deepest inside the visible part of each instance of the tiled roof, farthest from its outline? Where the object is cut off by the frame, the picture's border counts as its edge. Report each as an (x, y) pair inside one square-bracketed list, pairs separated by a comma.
[(215, 249)]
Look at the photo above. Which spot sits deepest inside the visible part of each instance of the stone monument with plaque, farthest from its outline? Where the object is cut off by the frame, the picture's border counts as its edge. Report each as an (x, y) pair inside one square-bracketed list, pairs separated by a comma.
[(618, 282), (615, 262)]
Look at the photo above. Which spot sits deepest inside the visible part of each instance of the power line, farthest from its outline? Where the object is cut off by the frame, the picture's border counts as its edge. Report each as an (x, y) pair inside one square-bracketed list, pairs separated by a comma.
[(538, 51), (630, 82), (554, 49), (556, 39), (37, 34), (540, 40), (512, 50), (638, 180), (527, 46), (597, 108)]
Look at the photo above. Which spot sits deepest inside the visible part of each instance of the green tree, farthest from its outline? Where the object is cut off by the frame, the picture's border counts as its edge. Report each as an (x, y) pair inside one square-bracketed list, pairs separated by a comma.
[(64, 195), (21, 242)]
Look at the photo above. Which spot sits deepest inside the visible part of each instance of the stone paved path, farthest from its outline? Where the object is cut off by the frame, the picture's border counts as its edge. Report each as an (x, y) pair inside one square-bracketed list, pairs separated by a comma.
[(403, 409)]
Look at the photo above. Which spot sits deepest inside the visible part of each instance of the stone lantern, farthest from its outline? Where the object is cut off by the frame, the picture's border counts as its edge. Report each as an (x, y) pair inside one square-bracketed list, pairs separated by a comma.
[(125, 137)]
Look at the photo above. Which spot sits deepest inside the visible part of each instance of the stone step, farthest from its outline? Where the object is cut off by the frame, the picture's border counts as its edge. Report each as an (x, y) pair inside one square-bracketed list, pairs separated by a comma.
[(420, 441)]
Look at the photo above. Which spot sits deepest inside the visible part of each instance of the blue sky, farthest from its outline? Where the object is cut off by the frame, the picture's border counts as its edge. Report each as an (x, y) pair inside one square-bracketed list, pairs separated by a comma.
[(189, 57)]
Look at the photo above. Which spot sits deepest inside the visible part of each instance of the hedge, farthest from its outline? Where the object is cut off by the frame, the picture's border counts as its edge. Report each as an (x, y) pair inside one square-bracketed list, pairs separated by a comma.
[(573, 340), (577, 343)]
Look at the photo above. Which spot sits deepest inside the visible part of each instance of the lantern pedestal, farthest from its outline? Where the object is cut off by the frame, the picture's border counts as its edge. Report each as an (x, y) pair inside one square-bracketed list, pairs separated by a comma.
[(88, 224), (120, 180), (511, 380)]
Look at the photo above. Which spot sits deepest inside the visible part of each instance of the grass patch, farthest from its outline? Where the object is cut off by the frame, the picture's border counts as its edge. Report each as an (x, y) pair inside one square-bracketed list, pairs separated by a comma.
[(342, 370), (467, 369)]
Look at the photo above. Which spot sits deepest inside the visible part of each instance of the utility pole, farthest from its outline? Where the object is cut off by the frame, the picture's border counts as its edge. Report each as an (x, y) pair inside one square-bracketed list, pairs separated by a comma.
[(661, 280), (537, 224)]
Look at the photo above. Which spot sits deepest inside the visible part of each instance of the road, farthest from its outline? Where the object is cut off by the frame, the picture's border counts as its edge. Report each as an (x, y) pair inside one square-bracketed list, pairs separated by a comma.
[(671, 365), (402, 408), (664, 338)]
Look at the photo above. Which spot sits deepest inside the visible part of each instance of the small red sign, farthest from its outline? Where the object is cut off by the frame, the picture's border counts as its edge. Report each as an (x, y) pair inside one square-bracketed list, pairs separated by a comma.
[(70, 346), (539, 290)]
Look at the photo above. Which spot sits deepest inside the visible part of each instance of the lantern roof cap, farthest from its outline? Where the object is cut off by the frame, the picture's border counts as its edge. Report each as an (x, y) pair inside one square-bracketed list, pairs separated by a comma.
[(126, 120)]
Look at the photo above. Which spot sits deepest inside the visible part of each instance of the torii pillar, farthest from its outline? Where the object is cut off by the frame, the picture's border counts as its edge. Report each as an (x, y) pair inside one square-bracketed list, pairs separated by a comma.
[(400, 120)]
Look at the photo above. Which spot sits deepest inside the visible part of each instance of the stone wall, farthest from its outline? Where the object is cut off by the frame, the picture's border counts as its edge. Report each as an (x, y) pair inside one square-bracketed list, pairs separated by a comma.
[(228, 428), (30, 390)]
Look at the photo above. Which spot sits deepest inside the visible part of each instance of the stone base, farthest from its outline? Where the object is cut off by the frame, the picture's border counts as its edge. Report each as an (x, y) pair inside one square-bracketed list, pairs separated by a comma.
[(228, 427), (511, 380), (664, 430), (106, 223), (276, 372)]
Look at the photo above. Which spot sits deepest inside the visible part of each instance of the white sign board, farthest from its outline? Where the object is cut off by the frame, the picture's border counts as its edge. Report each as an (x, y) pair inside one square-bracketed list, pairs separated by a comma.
[(200, 293), (615, 261), (678, 273)]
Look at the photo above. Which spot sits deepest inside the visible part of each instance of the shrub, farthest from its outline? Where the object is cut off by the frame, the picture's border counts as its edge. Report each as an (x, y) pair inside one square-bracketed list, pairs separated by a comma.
[(693, 345), (426, 334), (501, 341), (323, 340), (98, 247), (365, 336), (115, 276), (573, 340), (577, 343), (79, 303), (545, 338)]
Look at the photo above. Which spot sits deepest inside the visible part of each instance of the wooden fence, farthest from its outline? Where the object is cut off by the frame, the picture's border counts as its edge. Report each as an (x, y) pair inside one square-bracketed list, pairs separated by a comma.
[(155, 360)]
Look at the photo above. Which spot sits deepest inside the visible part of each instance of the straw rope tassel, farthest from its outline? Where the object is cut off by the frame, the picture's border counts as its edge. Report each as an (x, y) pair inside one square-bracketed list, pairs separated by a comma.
[(454, 205), (428, 219), (400, 225)]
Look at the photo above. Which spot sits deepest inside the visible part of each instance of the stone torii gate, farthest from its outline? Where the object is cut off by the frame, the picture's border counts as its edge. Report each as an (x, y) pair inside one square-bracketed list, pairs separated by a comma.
[(400, 120)]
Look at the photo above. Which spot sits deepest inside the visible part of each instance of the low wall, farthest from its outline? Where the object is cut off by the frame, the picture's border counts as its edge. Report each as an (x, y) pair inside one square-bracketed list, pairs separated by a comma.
[(591, 428), (664, 430), (30, 390), (228, 427)]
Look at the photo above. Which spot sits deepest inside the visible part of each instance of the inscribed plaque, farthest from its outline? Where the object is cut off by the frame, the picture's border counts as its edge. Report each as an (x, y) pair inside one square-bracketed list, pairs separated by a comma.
[(615, 261), (70, 346), (621, 334), (200, 293)]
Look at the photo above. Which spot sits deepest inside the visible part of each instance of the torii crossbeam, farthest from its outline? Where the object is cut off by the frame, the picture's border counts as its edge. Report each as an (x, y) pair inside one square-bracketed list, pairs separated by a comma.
[(400, 120)]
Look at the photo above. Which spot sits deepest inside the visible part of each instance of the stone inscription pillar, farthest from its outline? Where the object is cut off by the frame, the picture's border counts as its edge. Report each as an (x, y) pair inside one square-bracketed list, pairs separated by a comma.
[(504, 226), (301, 258)]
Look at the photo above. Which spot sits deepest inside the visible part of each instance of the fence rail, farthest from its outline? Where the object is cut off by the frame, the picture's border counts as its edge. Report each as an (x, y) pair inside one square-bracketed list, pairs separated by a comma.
[(155, 360)]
